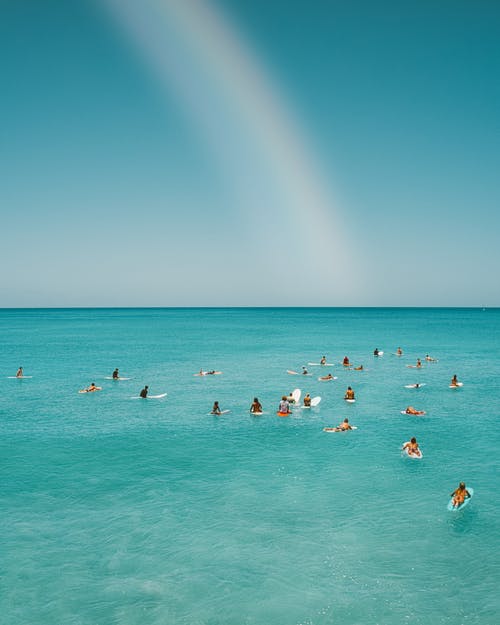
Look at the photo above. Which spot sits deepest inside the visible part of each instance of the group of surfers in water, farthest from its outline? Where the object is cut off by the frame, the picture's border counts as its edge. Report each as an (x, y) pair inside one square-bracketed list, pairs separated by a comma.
[(411, 447)]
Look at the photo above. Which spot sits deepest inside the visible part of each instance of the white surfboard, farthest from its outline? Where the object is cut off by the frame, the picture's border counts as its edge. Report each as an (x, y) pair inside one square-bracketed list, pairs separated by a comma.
[(216, 414), (414, 385), (351, 401), (315, 401), (19, 377), (150, 396), (457, 385), (320, 364), (296, 395), (380, 353), (109, 377), (411, 414)]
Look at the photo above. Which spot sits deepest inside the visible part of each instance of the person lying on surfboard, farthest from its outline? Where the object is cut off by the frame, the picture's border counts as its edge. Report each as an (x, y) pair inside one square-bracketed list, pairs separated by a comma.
[(342, 427), (91, 388), (459, 495), (327, 377), (412, 410)]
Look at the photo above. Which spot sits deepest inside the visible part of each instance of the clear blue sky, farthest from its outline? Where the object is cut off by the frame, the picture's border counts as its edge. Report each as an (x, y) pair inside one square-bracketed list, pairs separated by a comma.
[(168, 153)]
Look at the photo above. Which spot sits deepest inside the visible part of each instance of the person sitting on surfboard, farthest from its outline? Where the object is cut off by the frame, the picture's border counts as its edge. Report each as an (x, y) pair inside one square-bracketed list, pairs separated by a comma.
[(323, 360), (419, 363), (399, 351), (459, 495), (307, 400), (412, 410), (454, 381), (144, 392), (256, 405), (376, 351), (412, 447), (349, 394), (429, 359), (304, 371), (346, 362), (284, 406), (115, 374), (19, 373), (215, 408)]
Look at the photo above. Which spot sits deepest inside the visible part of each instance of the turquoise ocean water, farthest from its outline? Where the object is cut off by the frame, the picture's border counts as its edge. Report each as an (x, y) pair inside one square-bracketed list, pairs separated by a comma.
[(138, 512)]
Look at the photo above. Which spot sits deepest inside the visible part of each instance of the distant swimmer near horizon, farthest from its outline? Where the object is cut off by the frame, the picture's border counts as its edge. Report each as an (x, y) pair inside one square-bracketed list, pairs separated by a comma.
[(91, 389), (144, 392), (412, 410), (212, 372)]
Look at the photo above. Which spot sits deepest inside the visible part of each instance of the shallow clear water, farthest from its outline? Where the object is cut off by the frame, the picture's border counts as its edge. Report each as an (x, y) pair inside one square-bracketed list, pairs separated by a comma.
[(118, 510)]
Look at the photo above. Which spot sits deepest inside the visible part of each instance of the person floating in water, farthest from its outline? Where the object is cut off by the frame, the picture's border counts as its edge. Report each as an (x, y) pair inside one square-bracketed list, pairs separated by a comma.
[(284, 407), (412, 447), (256, 406), (116, 375), (349, 394), (19, 373), (307, 400), (459, 495), (144, 392), (215, 408), (412, 410)]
